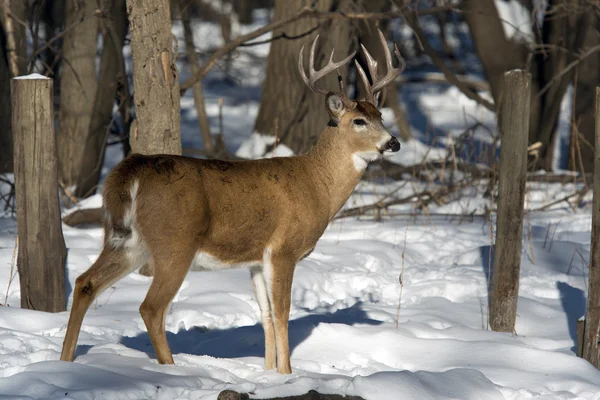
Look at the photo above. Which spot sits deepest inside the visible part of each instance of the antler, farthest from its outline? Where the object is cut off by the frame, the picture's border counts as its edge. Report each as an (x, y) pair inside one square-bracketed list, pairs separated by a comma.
[(379, 82), (314, 76)]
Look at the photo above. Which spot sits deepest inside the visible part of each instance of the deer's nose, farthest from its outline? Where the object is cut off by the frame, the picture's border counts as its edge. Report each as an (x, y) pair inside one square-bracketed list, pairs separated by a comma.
[(393, 144)]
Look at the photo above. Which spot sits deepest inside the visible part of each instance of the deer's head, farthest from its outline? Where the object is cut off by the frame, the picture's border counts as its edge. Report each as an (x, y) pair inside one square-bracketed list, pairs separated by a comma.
[(359, 121)]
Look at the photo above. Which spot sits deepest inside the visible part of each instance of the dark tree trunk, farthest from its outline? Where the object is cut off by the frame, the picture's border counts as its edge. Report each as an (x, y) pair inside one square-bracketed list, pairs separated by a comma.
[(78, 86), (585, 86), (155, 79), (591, 335), (6, 145), (112, 76), (288, 109), (564, 30)]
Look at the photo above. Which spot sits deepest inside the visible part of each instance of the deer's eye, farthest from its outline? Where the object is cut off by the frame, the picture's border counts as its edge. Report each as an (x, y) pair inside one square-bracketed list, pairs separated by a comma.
[(359, 122)]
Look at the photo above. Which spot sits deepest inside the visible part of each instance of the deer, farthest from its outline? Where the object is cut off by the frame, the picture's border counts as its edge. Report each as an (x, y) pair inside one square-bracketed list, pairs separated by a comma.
[(171, 213)]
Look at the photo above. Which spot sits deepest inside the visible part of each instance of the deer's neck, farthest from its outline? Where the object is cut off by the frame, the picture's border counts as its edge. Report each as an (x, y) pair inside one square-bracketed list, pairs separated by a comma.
[(333, 167)]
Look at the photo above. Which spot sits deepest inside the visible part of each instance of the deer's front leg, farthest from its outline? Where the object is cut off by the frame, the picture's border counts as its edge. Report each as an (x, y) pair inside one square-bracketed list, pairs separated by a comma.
[(262, 297), (279, 272)]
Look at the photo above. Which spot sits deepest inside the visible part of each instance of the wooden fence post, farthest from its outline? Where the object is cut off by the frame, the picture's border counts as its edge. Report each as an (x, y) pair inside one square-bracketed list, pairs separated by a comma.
[(514, 128), (42, 251), (591, 335)]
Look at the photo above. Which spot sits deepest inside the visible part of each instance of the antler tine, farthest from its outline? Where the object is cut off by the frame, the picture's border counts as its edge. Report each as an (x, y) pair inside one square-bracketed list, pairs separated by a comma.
[(313, 75), (369, 95), (392, 73)]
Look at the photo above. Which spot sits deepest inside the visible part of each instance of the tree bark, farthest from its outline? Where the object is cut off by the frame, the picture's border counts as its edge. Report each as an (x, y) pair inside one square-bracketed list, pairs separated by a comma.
[(591, 336), (289, 110), (6, 144), (42, 251), (13, 62), (112, 75), (16, 44), (514, 121), (155, 79), (77, 86)]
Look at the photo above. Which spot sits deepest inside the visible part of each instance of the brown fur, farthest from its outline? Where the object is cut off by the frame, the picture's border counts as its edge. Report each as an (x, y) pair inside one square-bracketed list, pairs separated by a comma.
[(235, 212)]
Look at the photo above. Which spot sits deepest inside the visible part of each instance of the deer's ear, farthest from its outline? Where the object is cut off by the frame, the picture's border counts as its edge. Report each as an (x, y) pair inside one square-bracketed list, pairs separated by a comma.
[(335, 106)]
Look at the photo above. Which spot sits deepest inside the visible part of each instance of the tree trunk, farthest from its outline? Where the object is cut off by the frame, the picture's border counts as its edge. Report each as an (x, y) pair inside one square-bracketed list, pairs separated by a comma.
[(16, 44), (496, 52), (565, 30), (112, 75), (289, 110), (42, 251), (585, 86), (6, 145), (13, 62), (155, 79), (591, 336), (78, 86)]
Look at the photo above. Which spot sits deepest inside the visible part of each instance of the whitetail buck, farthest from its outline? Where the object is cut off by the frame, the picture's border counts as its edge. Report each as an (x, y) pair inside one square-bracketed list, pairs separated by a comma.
[(171, 212)]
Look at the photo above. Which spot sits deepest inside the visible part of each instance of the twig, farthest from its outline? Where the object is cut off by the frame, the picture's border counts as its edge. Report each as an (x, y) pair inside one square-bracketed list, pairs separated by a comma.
[(401, 280), (579, 193), (569, 67), (68, 193), (12, 269)]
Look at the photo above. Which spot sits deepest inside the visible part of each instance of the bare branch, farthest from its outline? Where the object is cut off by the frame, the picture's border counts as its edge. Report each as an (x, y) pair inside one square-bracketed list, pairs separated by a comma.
[(305, 12), (413, 23)]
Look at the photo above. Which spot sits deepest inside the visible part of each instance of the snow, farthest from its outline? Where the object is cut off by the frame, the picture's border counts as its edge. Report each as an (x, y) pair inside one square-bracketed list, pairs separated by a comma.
[(355, 327), (516, 20), (32, 76)]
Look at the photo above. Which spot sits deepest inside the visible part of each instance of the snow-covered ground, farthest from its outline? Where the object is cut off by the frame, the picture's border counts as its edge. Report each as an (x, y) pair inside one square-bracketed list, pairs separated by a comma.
[(395, 309)]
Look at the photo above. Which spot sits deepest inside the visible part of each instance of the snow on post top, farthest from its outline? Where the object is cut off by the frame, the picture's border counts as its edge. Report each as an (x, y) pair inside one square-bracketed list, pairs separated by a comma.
[(32, 76)]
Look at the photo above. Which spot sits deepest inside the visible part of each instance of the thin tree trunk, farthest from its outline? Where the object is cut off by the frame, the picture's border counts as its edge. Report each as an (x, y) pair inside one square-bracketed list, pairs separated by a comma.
[(591, 336), (13, 62), (288, 109), (587, 80), (16, 44), (197, 89), (155, 79), (78, 86), (6, 144), (112, 76)]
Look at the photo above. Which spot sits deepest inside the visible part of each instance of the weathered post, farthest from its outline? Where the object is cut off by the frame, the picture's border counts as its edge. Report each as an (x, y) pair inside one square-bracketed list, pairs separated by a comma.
[(591, 335), (42, 251), (514, 128)]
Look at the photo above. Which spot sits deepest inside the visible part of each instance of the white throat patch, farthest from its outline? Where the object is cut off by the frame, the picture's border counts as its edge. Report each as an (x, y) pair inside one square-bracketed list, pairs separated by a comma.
[(362, 158)]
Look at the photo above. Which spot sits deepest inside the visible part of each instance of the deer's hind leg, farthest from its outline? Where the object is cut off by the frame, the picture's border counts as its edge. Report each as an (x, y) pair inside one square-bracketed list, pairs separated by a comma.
[(169, 272), (111, 265)]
